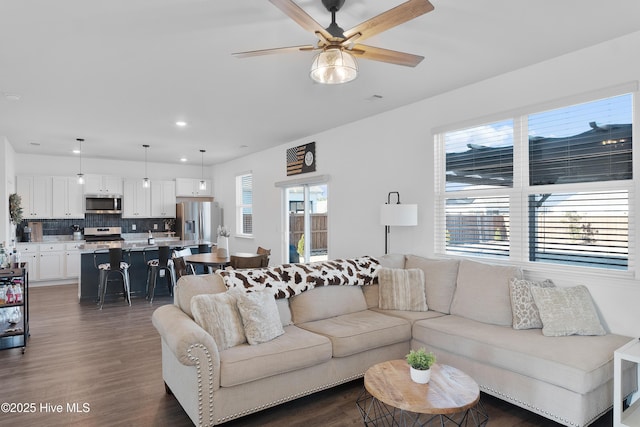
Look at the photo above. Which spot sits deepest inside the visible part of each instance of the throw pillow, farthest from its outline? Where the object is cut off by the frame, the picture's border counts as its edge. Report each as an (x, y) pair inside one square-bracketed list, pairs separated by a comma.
[(567, 311), (218, 315), (523, 307), (440, 277), (260, 316), (482, 292), (402, 289)]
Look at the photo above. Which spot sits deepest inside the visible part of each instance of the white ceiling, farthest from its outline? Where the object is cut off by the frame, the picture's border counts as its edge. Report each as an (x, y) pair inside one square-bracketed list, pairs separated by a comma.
[(120, 73)]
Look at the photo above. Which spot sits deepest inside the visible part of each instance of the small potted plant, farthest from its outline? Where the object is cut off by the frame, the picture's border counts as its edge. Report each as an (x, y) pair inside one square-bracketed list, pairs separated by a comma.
[(420, 362)]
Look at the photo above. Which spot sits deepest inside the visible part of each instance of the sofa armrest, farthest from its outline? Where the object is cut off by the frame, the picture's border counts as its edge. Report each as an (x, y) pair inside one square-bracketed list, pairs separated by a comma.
[(187, 340)]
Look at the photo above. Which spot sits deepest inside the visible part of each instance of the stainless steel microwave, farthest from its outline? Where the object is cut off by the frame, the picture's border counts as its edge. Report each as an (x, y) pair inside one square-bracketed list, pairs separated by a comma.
[(103, 204)]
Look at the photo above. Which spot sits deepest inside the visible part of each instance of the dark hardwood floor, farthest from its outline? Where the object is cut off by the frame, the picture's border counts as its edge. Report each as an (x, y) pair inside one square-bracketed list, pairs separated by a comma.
[(108, 364)]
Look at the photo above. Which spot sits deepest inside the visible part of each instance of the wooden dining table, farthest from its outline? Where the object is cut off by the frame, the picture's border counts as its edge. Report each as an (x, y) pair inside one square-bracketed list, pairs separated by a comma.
[(213, 260)]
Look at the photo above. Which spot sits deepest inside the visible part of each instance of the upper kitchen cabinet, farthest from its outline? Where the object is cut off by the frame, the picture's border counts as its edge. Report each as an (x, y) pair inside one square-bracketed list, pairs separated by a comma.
[(35, 192), (189, 187), (66, 198), (163, 199), (136, 200), (102, 184)]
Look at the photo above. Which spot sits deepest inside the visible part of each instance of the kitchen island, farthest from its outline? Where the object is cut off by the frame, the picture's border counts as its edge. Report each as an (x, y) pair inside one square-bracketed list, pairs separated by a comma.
[(138, 249)]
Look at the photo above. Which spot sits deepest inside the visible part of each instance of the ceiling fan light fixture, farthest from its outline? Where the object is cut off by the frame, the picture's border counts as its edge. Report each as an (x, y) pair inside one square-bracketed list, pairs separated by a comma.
[(333, 66)]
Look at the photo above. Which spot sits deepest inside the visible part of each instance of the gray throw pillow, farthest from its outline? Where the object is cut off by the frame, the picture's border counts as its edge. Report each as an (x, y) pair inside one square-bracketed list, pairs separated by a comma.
[(567, 311), (218, 315), (260, 316), (402, 289), (523, 307)]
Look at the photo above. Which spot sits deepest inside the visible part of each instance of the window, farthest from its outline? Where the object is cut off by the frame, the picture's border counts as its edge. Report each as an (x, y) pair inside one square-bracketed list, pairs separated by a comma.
[(244, 204), (551, 186)]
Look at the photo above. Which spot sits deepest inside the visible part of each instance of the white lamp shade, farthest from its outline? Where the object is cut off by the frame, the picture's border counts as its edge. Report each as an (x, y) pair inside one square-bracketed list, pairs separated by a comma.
[(398, 214), (334, 66)]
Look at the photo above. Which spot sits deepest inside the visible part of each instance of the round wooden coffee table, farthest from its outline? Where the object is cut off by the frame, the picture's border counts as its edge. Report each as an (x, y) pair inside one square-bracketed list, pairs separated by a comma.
[(391, 398)]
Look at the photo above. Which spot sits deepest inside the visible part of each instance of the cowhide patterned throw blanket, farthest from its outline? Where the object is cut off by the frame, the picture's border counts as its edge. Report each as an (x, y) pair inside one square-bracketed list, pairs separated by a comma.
[(288, 280)]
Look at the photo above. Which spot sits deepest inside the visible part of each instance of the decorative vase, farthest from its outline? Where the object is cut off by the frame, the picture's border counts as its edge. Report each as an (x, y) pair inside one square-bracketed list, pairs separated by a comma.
[(222, 249), (420, 376)]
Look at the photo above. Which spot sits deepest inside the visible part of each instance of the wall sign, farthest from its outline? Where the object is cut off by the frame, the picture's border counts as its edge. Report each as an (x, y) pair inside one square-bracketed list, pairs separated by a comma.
[(301, 159)]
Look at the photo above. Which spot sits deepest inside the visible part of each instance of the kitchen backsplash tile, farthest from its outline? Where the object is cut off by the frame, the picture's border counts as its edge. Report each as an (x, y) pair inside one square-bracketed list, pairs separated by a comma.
[(52, 227)]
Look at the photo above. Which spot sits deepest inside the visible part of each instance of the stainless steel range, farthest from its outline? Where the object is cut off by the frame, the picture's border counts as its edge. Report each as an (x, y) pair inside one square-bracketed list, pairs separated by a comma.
[(103, 234)]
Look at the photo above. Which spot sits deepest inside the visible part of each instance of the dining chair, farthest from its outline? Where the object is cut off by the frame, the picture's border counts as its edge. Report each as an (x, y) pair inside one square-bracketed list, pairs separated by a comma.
[(265, 253), (181, 253), (240, 262)]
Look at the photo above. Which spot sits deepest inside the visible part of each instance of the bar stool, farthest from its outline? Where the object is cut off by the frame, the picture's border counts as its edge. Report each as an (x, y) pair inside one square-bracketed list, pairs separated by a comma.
[(205, 248), (117, 265), (154, 266)]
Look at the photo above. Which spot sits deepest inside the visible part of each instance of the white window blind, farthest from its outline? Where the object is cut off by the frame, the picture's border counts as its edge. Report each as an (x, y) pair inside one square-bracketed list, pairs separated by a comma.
[(244, 201), (477, 226), (587, 228), (556, 186)]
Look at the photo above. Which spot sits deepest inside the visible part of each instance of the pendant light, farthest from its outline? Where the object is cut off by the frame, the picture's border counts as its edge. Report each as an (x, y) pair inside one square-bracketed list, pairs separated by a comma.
[(203, 184), (145, 181), (80, 174)]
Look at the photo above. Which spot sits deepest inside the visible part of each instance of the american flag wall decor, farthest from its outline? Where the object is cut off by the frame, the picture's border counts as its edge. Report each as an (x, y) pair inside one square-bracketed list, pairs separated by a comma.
[(301, 159)]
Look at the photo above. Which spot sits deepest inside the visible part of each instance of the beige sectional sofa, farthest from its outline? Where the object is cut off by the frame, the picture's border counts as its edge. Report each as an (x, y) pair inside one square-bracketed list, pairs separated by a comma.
[(333, 334)]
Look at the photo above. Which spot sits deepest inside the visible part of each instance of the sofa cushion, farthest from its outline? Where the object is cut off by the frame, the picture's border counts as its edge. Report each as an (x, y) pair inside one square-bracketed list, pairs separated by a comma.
[(523, 307), (371, 295), (577, 363), (218, 315), (567, 311), (410, 316), (440, 276), (392, 260), (190, 285), (360, 331), (326, 301), (293, 350), (482, 292), (401, 289), (260, 316)]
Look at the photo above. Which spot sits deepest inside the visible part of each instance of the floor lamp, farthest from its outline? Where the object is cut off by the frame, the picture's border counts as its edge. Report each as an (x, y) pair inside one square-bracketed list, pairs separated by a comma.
[(396, 214)]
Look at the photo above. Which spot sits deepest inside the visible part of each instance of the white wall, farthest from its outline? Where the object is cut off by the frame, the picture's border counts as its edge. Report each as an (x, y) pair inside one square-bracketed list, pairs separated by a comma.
[(394, 152), (7, 171)]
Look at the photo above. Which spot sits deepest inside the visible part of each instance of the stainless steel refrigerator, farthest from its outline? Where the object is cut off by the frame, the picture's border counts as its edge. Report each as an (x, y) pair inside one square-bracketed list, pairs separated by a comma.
[(198, 220)]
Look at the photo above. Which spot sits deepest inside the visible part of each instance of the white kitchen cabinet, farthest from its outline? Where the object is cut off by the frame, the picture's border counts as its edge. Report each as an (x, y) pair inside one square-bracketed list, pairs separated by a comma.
[(52, 261), (35, 191), (136, 200), (72, 260), (67, 198), (102, 184), (189, 187), (163, 199), (30, 253)]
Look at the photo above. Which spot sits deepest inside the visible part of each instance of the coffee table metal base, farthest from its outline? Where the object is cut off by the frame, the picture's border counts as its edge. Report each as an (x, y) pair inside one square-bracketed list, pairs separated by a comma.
[(377, 413)]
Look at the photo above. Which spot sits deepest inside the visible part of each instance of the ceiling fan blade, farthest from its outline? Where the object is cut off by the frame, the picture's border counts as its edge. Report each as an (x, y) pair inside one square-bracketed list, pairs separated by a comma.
[(272, 51), (389, 19), (386, 55), (303, 19)]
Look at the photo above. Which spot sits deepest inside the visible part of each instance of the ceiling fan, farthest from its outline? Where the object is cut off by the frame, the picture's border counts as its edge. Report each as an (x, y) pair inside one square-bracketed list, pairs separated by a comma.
[(336, 63)]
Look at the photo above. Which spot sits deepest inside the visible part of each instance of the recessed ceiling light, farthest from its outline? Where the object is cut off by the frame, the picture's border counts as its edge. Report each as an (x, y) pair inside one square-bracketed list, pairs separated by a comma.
[(244, 146), (12, 97), (36, 144), (183, 159), (76, 151), (181, 123)]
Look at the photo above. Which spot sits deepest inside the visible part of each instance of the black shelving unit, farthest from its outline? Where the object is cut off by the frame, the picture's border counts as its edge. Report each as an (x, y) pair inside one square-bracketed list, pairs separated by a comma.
[(14, 335)]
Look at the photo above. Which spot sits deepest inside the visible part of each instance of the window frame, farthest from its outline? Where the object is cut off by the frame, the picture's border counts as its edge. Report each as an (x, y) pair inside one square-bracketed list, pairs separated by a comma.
[(241, 205), (521, 190)]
